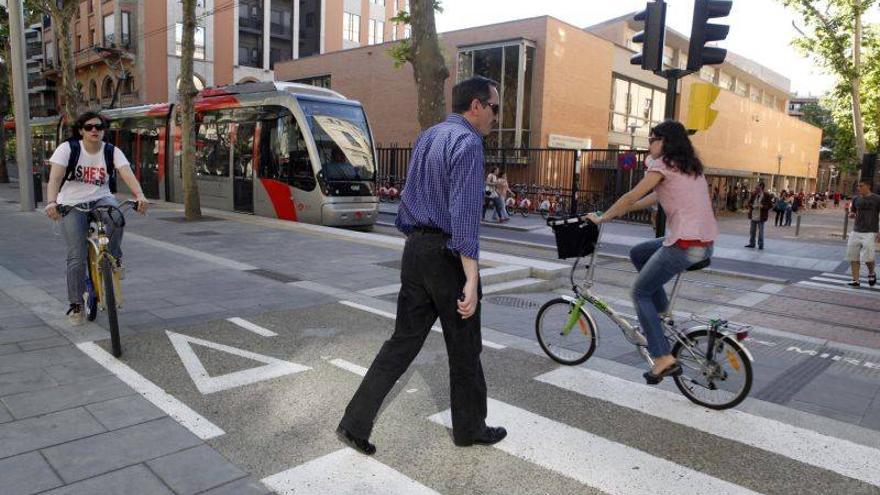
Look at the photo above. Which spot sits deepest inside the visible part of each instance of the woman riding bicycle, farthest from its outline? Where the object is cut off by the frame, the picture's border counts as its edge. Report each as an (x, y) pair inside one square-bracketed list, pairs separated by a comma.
[(674, 178), (86, 187)]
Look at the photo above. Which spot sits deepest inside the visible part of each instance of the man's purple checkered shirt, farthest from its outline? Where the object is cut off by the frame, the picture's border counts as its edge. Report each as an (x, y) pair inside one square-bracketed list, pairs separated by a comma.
[(444, 184)]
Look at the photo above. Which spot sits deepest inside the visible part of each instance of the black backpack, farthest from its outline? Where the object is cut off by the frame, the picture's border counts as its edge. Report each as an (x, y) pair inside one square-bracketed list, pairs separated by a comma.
[(75, 151)]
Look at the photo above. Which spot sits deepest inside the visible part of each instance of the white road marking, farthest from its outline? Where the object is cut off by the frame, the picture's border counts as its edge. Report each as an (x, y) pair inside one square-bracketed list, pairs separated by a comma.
[(608, 466), (349, 366), (345, 472), (800, 444), (265, 332), (386, 314), (842, 288), (844, 282), (181, 413), (273, 367)]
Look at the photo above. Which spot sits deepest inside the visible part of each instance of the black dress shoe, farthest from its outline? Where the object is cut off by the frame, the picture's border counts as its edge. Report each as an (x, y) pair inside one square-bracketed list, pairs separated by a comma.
[(362, 445), (750, 245), (490, 435)]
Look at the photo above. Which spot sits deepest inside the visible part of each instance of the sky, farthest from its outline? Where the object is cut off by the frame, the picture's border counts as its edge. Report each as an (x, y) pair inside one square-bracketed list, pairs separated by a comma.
[(760, 30)]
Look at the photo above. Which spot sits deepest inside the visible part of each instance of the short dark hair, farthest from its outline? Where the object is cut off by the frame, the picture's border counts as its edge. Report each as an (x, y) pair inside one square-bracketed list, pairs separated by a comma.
[(475, 88), (866, 182), (76, 130)]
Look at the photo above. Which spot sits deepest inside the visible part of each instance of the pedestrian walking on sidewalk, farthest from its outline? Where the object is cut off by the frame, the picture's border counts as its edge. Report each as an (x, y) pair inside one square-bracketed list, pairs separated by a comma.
[(759, 211), (674, 178), (779, 208), (83, 174), (440, 215), (789, 209), (866, 232)]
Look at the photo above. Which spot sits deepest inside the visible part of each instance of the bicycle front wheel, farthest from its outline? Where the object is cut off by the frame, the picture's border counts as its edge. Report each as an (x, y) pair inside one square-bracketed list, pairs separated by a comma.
[(569, 346), (718, 383), (110, 301)]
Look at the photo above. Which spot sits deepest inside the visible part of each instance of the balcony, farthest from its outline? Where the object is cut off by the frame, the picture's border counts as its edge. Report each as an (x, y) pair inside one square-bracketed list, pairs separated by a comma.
[(281, 31), (251, 24)]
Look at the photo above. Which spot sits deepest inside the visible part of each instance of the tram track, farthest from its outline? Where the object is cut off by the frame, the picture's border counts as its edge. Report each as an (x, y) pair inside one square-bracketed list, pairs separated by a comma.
[(505, 248)]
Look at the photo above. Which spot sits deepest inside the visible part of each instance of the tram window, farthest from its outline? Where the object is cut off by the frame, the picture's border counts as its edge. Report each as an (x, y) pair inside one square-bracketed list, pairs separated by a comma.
[(342, 138), (283, 153), (212, 150)]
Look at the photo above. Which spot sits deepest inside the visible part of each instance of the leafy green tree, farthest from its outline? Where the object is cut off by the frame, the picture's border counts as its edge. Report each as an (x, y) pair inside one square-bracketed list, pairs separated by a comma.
[(422, 51), (62, 12), (837, 40)]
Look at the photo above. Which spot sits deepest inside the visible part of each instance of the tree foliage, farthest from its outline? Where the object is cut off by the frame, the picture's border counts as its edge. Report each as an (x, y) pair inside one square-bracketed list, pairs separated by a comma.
[(62, 13), (836, 39), (422, 50)]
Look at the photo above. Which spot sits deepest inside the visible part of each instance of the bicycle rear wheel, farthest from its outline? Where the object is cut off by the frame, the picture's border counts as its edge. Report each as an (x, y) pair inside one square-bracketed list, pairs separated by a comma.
[(719, 383), (566, 347), (110, 302)]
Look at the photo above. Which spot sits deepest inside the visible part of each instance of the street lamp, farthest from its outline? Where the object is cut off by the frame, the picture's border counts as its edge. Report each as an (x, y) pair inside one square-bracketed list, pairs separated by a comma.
[(778, 170), (632, 134)]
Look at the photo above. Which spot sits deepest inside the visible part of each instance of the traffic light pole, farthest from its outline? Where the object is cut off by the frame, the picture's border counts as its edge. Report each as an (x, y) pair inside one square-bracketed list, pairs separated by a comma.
[(672, 77)]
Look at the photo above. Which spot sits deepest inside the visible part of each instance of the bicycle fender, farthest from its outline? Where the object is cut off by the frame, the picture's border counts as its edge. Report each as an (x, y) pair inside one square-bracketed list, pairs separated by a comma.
[(728, 339), (586, 313)]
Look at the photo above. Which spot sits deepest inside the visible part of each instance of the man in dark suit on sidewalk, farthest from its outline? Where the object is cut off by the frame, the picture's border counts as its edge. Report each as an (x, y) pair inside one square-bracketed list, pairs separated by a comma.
[(439, 212)]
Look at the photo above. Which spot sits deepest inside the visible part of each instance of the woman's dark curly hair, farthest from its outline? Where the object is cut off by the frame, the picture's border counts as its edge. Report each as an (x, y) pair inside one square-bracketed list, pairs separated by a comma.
[(678, 152), (76, 130)]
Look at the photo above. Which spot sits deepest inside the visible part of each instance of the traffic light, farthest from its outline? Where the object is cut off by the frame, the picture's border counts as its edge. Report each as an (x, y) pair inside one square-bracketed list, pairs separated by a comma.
[(652, 38), (702, 32), (700, 116)]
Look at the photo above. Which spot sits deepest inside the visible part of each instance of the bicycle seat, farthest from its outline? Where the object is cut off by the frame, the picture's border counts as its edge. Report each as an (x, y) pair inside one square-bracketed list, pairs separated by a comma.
[(699, 266)]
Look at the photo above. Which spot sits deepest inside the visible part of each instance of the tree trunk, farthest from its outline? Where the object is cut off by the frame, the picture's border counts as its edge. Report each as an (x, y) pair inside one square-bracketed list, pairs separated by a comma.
[(61, 20), (858, 124), (187, 93), (4, 175), (429, 67)]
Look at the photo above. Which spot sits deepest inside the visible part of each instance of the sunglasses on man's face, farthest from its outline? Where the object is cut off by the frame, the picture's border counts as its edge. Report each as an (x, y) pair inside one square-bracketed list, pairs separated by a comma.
[(93, 127), (495, 107)]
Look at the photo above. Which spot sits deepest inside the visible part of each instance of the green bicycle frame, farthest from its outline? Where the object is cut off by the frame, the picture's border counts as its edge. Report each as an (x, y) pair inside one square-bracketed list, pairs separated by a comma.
[(573, 316)]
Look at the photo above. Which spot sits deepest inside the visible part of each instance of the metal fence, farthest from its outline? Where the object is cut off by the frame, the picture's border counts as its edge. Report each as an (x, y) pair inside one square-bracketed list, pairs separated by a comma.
[(542, 173)]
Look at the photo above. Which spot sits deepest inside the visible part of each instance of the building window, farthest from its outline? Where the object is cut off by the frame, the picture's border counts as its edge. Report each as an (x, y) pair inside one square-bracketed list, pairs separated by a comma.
[(109, 28), (199, 52), (107, 89), (725, 81), (280, 24), (126, 29), (351, 27), (50, 54), (91, 37), (377, 32), (635, 104), (741, 88), (319, 81), (379, 2), (198, 83), (407, 31), (93, 92), (90, 6), (504, 64), (707, 74)]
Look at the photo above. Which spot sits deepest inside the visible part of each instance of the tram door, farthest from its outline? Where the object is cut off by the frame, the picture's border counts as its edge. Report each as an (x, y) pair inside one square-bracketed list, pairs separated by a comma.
[(243, 167)]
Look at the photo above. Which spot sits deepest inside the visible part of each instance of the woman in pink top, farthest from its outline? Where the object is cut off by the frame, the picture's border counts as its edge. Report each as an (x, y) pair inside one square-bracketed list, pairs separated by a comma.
[(674, 178)]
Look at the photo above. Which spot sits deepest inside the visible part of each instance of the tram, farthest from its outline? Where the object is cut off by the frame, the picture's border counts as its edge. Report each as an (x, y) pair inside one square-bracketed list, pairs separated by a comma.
[(282, 150)]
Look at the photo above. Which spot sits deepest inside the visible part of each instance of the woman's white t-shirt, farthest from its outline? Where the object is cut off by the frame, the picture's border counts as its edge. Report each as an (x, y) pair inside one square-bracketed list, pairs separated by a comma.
[(90, 181)]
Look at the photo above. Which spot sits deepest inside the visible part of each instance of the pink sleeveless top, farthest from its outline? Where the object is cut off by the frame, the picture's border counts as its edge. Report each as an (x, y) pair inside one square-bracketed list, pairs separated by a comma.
[(685, 199)]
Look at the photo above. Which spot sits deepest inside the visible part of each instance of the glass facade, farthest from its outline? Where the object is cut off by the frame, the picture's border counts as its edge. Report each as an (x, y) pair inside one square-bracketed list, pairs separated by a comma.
[(250, 33), (309, 27), (511, 65), (635, 103)]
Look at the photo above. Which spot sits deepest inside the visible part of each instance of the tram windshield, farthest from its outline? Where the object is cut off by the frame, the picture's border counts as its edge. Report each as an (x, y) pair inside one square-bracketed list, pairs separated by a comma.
[(342, 138)]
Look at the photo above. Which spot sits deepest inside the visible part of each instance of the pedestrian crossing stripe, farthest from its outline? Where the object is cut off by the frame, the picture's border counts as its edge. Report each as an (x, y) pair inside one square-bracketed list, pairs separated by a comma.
[(838, 282), (611, 467), (241, 322), (800, 444), (386, 314), (344, 472), (206, 384)]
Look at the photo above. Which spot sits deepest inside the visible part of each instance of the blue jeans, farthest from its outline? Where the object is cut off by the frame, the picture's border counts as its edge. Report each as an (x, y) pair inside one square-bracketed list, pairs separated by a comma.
[(500, 208), (658, 264), (759, 226), (75, 226)]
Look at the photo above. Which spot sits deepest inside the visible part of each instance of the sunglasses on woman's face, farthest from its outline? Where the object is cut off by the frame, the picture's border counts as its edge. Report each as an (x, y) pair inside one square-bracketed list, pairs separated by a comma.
[(93, 127), (653, 139)]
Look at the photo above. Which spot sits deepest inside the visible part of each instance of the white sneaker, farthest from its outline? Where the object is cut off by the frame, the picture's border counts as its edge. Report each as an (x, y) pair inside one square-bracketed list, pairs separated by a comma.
[(75, 315)]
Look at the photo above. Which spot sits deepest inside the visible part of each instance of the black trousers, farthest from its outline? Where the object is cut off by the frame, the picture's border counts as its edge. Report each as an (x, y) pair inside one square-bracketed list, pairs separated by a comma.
[(432, 279)]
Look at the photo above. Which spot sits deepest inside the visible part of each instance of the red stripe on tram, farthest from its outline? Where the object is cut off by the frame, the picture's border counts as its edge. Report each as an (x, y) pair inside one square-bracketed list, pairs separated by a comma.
[(279, 194)]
